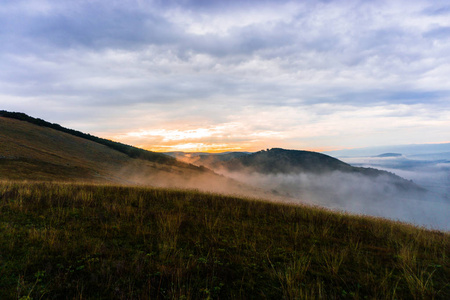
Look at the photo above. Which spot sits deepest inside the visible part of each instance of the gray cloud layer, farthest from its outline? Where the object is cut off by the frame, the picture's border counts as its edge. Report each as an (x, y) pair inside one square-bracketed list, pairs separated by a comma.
[(119, 57)]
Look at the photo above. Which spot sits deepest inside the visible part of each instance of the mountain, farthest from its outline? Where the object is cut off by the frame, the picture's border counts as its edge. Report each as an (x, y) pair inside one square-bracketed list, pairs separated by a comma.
[(282, 161), (389, 155), (33, 149), (412, 149), (319, 179)]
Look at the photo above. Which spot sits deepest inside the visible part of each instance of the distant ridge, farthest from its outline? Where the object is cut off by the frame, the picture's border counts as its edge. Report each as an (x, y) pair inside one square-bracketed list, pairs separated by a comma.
[(277, 160), (389, 155), (131, 151), (282, 161)]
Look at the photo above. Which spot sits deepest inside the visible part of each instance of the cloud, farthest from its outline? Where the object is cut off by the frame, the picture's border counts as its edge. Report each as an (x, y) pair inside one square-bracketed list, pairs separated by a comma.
[(356, 194), (428, 170), (438, 33), (321, 61), (89, 24)]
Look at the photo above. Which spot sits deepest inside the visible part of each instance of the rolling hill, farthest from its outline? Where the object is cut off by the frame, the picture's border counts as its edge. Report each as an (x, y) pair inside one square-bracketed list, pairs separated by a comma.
[(277, 160), (32, 149), (291, 162)]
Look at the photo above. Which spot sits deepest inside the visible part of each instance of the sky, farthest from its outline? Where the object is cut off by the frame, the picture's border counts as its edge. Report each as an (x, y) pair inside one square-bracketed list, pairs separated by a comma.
[(203, 75)]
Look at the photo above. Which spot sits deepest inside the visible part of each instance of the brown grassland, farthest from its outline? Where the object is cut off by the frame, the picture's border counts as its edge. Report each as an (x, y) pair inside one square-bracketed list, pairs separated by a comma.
[(92, 241)]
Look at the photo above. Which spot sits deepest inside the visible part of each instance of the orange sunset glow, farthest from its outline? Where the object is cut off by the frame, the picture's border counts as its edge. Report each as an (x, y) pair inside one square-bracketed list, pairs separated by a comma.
[(213, 139)]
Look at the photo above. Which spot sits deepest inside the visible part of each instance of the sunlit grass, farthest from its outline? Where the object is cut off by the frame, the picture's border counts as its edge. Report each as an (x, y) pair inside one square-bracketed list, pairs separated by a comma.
[(80, 241)]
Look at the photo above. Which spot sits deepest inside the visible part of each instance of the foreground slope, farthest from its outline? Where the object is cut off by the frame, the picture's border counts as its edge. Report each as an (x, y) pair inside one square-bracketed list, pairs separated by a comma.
[(67, 241)]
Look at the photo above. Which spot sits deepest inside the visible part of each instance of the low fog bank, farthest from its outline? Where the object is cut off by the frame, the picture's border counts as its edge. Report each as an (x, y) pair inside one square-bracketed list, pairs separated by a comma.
[(434, 178), (431, 172), (155, 175), (354, 193)]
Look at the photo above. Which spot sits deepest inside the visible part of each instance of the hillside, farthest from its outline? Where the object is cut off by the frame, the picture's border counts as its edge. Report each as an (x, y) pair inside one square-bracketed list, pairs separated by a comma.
[(32, 152), (130, 151), (68, 241), (284, 161)]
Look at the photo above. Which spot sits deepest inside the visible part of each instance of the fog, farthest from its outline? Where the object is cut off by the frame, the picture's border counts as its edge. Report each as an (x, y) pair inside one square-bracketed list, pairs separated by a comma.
[(356, 194), (153, 174), (430, 172), (348, 192)]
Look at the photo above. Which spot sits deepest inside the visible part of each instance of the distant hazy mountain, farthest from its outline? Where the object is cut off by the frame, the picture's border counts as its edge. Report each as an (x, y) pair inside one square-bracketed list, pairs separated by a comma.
[(413, 149), (389, 155)]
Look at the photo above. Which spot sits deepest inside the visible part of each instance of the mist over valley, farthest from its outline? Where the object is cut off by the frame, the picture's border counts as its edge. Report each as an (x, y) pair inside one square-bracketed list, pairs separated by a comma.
[(363, 188)]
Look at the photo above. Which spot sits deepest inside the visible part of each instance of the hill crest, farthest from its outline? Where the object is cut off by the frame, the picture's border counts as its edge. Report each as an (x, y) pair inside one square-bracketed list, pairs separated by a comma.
[(129, 150)]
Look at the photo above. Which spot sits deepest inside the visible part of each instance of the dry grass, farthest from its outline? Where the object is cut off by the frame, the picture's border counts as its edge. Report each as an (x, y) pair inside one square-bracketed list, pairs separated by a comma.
[(80, 241)]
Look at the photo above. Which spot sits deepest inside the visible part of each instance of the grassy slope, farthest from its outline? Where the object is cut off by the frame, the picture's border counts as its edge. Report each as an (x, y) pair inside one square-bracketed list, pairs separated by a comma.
[(110, 242), (31, 152), (130, 151)]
